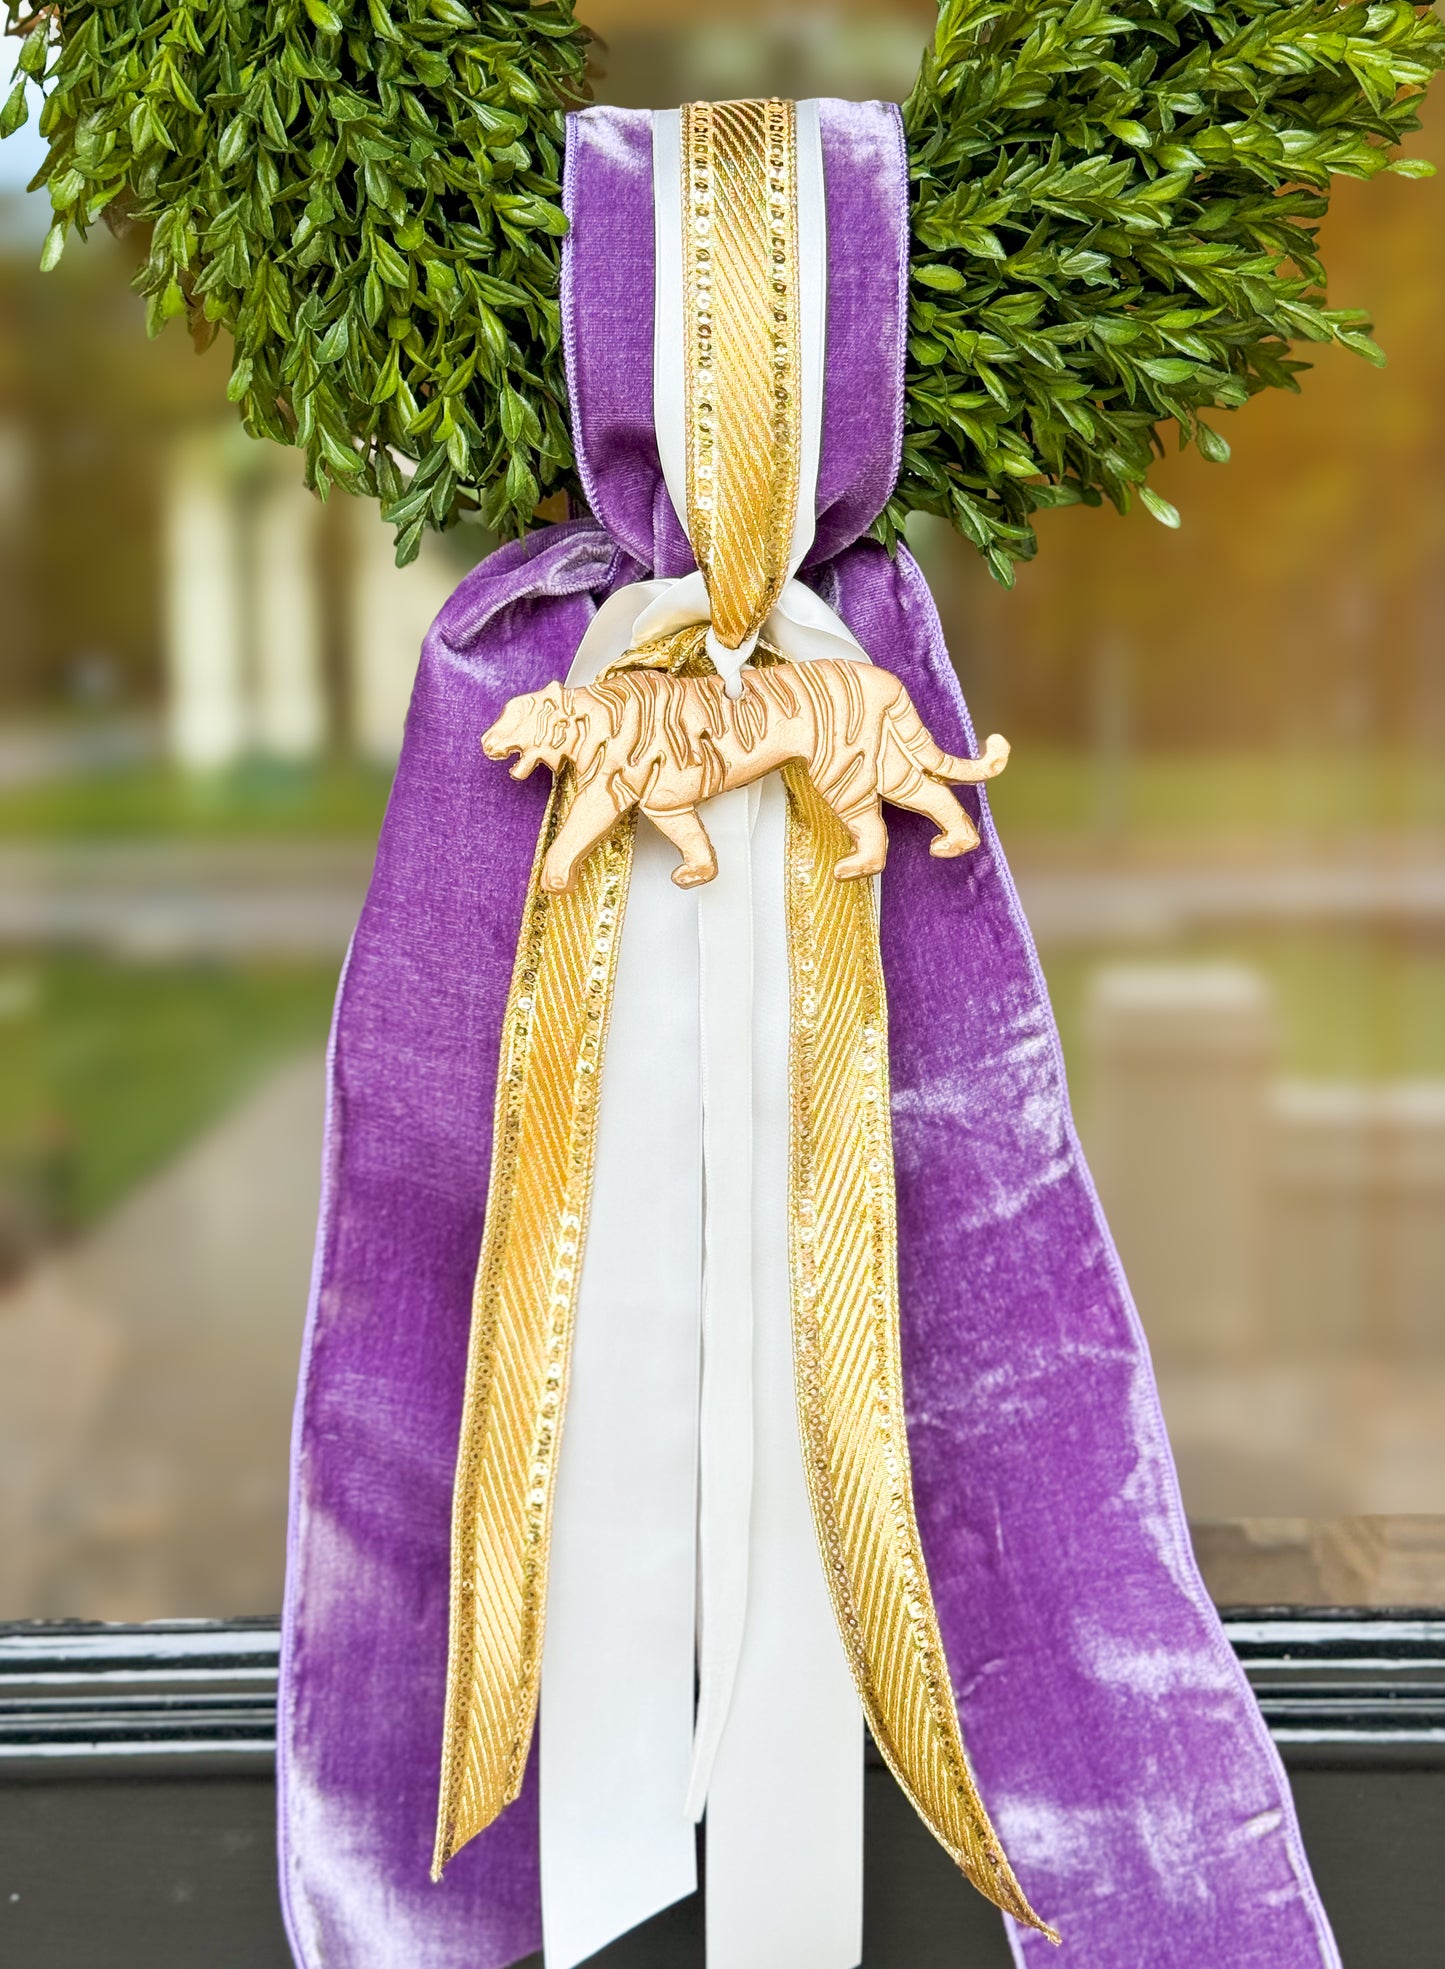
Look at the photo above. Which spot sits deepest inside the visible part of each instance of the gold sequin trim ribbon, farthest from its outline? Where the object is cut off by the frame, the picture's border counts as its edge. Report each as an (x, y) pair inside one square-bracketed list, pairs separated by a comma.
[(553, 1035), (740, 270), (844, 1265)]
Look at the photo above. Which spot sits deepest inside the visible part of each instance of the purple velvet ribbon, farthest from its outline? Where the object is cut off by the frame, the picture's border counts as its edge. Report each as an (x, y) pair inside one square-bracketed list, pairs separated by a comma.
[(1115, 1740)]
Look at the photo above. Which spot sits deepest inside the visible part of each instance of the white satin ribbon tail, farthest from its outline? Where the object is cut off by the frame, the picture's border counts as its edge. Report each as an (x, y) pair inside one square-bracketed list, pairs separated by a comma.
[(682, 1534)]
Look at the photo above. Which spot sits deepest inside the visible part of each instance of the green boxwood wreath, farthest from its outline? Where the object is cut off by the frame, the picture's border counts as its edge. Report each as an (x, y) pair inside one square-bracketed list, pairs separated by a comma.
[(1114, 217)]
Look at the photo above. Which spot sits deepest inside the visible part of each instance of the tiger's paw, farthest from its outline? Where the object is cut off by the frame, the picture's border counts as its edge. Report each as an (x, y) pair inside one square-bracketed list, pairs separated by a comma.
[(853, 868), (692, 875), (557, 876), (958, 841)]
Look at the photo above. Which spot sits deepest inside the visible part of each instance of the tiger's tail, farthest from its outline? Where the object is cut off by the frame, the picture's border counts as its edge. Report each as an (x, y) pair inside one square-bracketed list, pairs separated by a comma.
[(919, 747)]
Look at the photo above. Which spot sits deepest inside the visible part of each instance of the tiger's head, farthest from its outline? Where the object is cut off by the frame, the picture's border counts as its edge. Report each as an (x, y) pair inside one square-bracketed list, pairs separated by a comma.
[(538, 726)]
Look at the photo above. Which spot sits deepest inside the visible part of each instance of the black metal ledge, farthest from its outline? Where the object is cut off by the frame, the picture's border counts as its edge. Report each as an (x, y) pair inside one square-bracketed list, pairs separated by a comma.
[(137, 1805), (1347, 1687), (170, 1689), (1331, 1683)]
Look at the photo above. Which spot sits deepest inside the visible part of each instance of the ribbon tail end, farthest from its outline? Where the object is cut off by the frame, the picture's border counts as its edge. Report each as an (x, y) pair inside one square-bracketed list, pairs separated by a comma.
[(443, 1852), (704, 1755), (1010, 1897)]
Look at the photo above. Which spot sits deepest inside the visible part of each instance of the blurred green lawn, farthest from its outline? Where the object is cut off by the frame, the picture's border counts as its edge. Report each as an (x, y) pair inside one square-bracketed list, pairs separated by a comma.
[(344, 798), (107, 1068), (1163, 799), (1155, 799), (1351, 1005)]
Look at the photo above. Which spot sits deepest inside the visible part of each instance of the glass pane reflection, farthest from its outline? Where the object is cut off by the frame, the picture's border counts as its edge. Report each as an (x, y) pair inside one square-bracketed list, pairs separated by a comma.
[(1226, 810)]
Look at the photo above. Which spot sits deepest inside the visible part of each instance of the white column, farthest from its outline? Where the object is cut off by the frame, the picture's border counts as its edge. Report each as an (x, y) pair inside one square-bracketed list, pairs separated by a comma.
[(391, 610), (206, 722), (1324, 1280), (290, 716), (1183, 1061), (1414, 1228), (1357, 1244)]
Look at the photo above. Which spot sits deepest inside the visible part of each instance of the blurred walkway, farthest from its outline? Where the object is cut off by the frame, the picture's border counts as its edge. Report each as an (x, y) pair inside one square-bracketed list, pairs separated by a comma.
[(146, 1379), (33, 754), (300, 897), (183, 899), (1097, 907), (1308, 1437)]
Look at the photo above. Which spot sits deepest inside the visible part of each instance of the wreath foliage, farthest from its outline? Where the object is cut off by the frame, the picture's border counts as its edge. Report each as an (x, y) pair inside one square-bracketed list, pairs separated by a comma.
[(366, 194), (1114, 214), (1115, 210)]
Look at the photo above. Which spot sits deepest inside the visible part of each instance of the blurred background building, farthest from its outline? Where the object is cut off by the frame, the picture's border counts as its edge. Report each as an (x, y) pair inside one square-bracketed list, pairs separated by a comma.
[(1226, 810)]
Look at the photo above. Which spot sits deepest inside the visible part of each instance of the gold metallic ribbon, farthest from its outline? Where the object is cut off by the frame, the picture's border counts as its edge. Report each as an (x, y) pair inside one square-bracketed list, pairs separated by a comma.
[(847, 1360), (740, 259), (553, 1036), (740, 269)]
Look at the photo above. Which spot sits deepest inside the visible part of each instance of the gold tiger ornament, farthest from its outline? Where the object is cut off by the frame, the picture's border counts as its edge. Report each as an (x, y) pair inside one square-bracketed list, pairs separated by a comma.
[(663, 742)]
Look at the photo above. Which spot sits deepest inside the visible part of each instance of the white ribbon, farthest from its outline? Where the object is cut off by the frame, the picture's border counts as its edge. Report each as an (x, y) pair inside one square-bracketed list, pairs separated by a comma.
[(671, 1485)]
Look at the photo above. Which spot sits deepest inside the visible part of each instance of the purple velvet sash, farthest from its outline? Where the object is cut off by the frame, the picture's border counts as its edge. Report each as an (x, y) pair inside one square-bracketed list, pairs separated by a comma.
[(1116, 1743)]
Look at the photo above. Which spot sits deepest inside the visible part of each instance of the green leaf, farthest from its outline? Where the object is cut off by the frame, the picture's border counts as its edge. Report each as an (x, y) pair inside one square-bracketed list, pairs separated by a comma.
[(15, 111), (332, 345), (34, 50), (340, 457), (53, 248), (1363, 346), (236, 139), (1169, 369), (521, 487), (390, 264), (1166, 514), (328, 21), (520, 424), (67, 189)]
